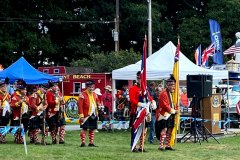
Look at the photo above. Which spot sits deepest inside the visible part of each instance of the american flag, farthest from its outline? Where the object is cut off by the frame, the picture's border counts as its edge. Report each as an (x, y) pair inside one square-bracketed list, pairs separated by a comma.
[(138, 125), (208, 52), (232, 50)]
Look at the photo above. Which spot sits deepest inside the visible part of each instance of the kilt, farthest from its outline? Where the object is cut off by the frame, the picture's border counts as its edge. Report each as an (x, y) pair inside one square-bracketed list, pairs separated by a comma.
[(34, 123), (62, 122), (52, 122), (90, 123), (4, 120), (160, 125)]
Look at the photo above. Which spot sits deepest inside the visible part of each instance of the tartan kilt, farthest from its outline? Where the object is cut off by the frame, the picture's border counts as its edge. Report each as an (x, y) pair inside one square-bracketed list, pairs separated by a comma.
[(52, 122), (62, 122), (24, 121), (34, 123), (160, 125), (90, 123), (4, 120)]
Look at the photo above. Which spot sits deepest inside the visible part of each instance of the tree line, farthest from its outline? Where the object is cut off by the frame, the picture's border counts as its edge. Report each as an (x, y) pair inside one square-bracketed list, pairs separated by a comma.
[(79, 32)]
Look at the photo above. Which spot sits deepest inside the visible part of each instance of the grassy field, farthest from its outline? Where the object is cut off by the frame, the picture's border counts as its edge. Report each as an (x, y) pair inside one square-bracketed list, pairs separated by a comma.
[(115, 146)]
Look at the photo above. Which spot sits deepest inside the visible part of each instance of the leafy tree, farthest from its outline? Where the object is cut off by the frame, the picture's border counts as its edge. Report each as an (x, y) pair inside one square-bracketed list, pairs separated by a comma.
[(106, 63)]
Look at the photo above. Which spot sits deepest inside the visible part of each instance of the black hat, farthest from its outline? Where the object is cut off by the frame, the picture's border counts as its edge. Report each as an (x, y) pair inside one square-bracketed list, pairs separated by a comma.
[(90, 82), (21, 82), (51, 84), (21, 87), (6, 81), (138, 74), (171, 79), (43, 86)]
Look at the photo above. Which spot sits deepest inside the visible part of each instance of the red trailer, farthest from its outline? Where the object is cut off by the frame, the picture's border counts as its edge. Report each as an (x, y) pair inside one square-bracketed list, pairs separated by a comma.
[(75, 83)]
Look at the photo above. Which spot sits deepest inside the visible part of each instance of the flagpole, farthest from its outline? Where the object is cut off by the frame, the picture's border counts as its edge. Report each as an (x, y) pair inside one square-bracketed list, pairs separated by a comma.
[(149, 27)]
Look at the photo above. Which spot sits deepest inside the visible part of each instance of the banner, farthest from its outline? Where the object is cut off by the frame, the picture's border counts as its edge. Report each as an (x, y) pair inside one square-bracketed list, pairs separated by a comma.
[(216, 38)]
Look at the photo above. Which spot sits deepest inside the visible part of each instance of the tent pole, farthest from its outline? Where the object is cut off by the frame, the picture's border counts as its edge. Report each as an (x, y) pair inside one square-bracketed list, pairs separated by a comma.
[(113, 96), (228, 109)]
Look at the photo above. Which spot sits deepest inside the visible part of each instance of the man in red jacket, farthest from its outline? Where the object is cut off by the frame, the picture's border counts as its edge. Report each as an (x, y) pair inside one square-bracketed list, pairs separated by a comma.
[(19, 105), (136, 101), (88, 113), (165, 115), (54, 119)]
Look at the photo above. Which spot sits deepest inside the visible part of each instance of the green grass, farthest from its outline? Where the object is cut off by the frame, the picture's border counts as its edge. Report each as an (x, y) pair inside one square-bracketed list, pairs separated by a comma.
[(115, 146)]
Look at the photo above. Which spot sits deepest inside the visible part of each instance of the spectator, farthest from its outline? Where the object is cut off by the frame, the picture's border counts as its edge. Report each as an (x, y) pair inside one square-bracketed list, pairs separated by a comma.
[(184, 101), (151, 90), (107, 102)]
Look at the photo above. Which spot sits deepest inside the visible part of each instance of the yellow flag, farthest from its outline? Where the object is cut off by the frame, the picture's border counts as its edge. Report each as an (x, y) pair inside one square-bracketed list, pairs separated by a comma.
[(176, 94)]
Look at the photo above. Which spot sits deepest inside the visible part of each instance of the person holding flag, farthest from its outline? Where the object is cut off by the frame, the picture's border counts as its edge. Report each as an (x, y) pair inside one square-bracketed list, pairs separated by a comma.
[(139, 110), (140, 101), (167, 116)]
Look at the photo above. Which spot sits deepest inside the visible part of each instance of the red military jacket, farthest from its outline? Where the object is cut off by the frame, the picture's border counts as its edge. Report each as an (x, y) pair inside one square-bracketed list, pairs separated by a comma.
[(84, 107), (16, 107), (36, 102), (134, 94), (51, 101), (4, 96), (164, 108)]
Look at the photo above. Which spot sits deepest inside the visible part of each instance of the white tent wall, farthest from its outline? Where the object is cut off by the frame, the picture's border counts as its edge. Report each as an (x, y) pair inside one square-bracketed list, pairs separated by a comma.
[(160, 66)]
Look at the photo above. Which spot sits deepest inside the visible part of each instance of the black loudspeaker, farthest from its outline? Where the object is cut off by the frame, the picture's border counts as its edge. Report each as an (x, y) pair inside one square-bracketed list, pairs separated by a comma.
[(199, 86)]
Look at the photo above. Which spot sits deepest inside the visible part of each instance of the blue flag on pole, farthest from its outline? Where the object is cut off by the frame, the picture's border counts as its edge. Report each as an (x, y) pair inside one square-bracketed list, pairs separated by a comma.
[(216, 38)]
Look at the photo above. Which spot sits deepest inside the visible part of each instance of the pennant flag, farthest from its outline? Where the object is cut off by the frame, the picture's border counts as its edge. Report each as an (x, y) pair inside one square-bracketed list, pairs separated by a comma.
[(198, 55), (216, 38), (176, 94), (138, 125), (207, 52)]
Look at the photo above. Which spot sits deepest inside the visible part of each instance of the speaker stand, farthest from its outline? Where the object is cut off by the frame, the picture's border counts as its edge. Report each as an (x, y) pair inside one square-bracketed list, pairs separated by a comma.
[(198, 130)]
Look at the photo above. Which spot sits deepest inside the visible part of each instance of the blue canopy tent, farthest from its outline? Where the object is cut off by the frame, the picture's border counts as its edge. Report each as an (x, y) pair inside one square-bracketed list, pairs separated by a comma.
[(21, 69)]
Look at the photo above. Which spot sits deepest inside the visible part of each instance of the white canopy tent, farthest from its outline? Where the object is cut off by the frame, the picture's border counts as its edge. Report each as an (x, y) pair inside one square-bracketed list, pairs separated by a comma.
[(160, 66)]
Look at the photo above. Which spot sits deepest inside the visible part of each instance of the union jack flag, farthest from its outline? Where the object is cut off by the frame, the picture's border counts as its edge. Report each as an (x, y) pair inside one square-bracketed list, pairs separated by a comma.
[(208, 52), (138, 125)]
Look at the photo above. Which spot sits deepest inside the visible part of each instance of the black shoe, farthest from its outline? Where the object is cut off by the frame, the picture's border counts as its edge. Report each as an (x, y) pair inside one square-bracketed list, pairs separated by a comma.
[(31, 141), (141, 150), (83, 145), (54, 142), (169, 148), (61, 142), (135, 150), (92, 145), (161, 149)]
